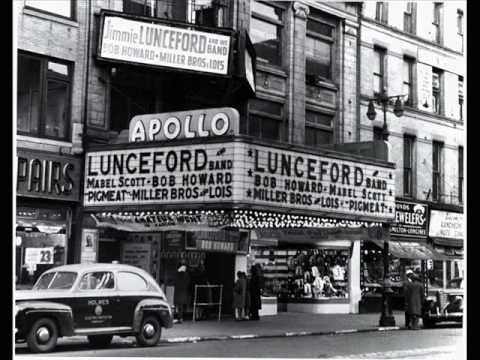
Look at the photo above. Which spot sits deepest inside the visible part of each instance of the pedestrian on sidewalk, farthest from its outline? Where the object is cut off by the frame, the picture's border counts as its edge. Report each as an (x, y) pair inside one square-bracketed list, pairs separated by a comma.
[(180, 293), (247, 297), (239, 296), (414, 298), (255, 292)]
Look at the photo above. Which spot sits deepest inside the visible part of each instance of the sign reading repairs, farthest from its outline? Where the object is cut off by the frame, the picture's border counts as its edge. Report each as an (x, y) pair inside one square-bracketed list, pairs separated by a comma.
[(162, 45), (184, 125), (238, 172), (410, 220)]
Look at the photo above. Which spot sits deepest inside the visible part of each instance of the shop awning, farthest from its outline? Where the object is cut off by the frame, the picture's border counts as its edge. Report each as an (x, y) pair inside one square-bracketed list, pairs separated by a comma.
[(412, 250)]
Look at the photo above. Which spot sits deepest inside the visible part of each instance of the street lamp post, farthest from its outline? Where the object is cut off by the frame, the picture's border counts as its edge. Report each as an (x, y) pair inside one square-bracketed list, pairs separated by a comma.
[(386, 318)]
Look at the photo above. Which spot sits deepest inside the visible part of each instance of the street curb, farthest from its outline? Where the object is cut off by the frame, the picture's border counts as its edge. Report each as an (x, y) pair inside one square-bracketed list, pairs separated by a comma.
[(195, 339)]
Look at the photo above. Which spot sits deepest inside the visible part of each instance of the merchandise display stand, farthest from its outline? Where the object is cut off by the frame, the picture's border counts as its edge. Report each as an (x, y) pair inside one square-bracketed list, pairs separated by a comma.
[(218, 303)]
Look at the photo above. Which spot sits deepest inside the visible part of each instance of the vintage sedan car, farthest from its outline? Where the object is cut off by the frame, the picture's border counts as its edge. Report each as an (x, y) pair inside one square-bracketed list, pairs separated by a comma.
[(95, 300), (445, 305)]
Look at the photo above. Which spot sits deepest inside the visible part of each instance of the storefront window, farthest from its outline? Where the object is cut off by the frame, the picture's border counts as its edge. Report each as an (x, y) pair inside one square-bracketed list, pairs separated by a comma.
[(435, 274), (293, 274), (41, 243)]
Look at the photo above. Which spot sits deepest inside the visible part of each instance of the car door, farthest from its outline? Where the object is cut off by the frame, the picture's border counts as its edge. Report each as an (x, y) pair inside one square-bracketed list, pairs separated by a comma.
[(131, 288), (95, 303)]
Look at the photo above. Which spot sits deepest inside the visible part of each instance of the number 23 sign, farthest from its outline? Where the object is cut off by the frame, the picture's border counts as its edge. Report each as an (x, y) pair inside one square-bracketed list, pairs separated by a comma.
[(39, 255)]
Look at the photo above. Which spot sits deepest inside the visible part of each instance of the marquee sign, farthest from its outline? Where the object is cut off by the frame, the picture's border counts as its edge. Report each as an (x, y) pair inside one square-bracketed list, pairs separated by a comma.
[(239, 172), (129, 40), (184, 125)]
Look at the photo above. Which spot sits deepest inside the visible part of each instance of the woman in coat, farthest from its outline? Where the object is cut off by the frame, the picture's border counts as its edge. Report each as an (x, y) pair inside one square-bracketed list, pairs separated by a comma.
[(239, 296), (255, 292), (180, 293)]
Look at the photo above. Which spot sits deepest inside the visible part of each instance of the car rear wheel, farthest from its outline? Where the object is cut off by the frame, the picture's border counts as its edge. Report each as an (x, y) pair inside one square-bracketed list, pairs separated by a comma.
[(42, 336), (100, 340), (150, 331)]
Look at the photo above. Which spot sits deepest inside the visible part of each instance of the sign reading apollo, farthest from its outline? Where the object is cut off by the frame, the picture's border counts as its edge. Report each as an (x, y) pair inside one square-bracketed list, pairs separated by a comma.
[(240, 172)]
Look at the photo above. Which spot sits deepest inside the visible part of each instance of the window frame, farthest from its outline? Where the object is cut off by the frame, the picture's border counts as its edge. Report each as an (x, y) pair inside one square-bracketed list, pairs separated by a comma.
[(265, 115), (410, 83), (460, 96), (331, 40), (43, 98), (408, 167), (409, 18), (280, 25), (460, 174), (73, 10), (437, 21), (382, 52), (381, 12), (330, 129), (80, 279), (437, 171), (437, 93)]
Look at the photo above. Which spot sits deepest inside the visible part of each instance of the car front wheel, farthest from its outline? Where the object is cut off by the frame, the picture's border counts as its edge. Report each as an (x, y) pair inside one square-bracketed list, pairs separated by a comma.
[(42, 336), (100, 340), (427, 323), (150, 331)]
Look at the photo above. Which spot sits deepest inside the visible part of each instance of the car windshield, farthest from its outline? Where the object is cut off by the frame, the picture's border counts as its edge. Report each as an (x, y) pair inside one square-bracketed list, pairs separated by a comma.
[(56, 281)]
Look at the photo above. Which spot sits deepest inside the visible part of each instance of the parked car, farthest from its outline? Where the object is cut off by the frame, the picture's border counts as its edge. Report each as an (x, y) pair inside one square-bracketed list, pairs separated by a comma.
[(96, 300), (445, 305)]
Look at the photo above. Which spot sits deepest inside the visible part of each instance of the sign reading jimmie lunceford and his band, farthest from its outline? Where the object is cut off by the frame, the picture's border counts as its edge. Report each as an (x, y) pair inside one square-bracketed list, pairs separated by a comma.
[(129, 40), (411, 220), (237, 171)]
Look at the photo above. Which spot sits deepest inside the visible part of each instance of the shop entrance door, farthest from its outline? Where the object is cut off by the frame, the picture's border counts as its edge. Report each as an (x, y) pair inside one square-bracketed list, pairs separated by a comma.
[(220, 271)]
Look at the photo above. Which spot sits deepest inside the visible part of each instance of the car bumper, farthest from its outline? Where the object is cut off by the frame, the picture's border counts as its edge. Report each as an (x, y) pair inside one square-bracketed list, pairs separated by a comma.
[(444, 317)]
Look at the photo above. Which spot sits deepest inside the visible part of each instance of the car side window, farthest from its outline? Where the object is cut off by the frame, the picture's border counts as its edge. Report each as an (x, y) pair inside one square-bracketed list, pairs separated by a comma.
[(130, 281), (97, 280)]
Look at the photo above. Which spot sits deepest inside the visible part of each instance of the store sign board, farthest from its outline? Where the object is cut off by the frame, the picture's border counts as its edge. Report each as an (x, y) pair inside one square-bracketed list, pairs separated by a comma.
[(35, 256), (163, 45), (47, 176), (218, 241), (445, 224), (411, 220), (239, 172), (184, 125), (137, 254)]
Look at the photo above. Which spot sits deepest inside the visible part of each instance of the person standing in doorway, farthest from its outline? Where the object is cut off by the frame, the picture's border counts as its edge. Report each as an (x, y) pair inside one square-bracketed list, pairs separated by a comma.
[(239, 296), (414, 298), (180, 293), (406, 290), (255, 292)]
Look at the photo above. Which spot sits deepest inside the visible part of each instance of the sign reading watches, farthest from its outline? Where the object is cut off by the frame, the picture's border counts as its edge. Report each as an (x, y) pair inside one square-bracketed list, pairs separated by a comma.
[(184, 125)]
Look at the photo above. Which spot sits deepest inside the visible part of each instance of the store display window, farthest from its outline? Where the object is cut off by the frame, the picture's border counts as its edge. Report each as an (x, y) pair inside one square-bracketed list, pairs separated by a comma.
[(41, 243), (309, 273)]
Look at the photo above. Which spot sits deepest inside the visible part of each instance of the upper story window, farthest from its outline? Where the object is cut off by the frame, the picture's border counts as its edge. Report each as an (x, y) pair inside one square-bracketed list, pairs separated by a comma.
[(381, 12), (437, 155), (437, 91), (65, 8), (43, 97), (318, 128), (408, 80), (460, 27), (265, 120), (319, 50), (460, 174), (460, 97), (408, 18), (378, 70), (266, 27), (408, 163), (437, 18)]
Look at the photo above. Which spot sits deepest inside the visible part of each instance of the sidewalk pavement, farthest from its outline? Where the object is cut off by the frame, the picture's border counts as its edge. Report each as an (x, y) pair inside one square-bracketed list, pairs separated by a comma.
[(282, 325)]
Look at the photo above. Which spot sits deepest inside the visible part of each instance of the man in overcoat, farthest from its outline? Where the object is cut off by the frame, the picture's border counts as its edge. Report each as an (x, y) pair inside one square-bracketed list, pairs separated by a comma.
[(414, 299)]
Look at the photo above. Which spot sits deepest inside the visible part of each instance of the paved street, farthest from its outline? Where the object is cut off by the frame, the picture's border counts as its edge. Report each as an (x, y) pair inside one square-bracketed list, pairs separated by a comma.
[(441, 343)]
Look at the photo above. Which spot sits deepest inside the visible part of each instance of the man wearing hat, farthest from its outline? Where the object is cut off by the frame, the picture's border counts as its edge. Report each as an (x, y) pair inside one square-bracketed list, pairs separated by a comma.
[(414, 298)]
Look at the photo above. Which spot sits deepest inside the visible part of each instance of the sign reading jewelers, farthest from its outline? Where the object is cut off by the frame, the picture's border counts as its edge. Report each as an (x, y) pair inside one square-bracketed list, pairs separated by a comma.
[(129, 40), (410, 220), (240, 172)]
